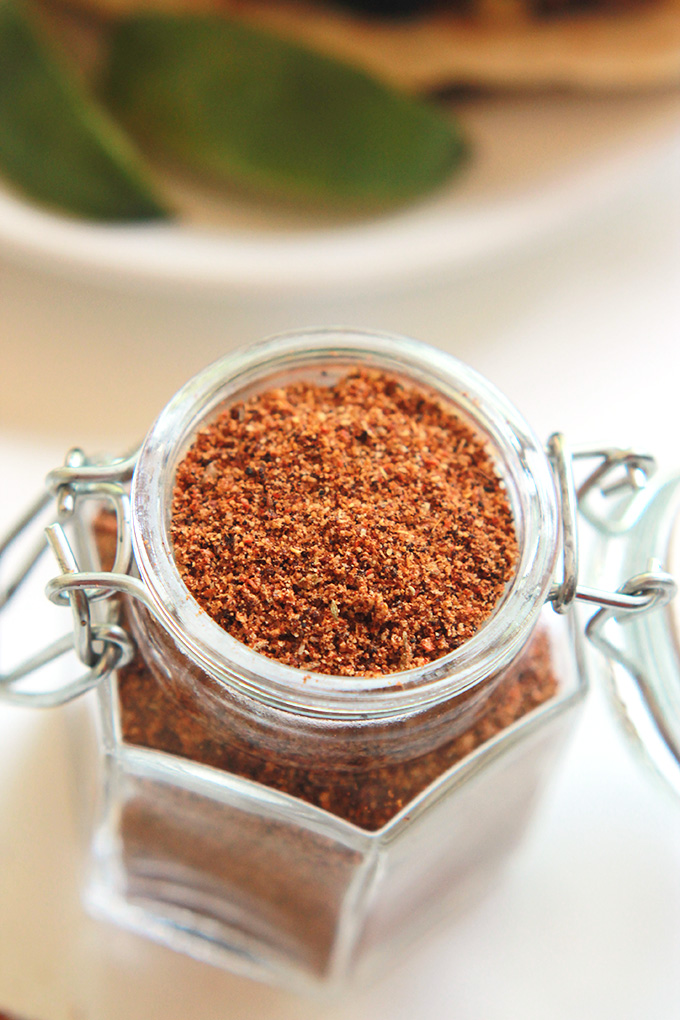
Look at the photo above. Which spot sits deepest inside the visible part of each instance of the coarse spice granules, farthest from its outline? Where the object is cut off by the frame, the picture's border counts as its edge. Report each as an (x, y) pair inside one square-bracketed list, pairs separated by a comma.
[(356, 528), (349, 524), (325, 500), (288, 880), (368, 796)]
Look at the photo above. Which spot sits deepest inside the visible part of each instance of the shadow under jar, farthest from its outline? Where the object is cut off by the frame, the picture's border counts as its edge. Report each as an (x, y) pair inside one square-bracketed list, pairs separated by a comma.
[(299, 826)]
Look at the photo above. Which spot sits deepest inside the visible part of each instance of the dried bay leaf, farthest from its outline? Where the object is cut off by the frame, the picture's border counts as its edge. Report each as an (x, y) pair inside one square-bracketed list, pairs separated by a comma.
[(57, 145), (248, 107)]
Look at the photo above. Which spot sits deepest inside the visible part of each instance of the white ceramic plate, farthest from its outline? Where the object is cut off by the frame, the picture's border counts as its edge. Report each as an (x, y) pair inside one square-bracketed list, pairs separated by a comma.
[(538, 163)]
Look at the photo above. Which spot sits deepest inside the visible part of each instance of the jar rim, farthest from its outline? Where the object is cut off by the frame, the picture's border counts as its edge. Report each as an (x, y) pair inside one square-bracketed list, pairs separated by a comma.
[(520, 457)]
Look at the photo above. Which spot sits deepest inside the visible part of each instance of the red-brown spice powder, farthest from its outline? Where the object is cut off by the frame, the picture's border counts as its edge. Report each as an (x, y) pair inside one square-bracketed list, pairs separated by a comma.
[(352, 528), (369, 797), (283, 875), (415, 560), (357, 528)]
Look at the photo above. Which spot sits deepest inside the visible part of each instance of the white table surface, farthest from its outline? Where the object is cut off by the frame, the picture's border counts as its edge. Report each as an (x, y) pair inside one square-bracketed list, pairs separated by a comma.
[(583, 333)]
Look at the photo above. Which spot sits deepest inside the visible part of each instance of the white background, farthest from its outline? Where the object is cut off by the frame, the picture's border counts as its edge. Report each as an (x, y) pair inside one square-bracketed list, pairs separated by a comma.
[(582, 331)]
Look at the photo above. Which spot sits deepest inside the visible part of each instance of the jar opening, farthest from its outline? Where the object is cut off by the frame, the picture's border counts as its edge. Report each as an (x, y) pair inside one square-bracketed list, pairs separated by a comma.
[(323, 357)]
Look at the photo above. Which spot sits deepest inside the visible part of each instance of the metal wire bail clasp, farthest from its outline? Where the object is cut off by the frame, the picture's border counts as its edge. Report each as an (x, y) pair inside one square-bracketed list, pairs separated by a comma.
[(617, 473), (100, 644)]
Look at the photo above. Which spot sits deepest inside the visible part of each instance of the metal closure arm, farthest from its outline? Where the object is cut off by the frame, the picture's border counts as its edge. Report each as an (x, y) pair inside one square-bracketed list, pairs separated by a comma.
[(103, 646), (8, 591), (618, 472)]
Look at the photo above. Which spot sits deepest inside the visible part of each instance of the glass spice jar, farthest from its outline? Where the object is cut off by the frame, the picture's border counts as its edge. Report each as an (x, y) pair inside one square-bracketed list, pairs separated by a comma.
[(297, 826)]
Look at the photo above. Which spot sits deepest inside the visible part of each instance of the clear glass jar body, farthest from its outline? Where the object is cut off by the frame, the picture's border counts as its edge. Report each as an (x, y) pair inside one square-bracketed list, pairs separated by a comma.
[(303, 831)]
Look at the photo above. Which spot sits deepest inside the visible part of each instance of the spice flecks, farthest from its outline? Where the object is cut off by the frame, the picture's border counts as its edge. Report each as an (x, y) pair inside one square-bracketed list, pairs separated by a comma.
[(359, 528)]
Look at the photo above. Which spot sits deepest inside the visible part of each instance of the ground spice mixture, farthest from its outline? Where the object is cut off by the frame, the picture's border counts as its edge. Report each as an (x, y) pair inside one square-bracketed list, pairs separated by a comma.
[(152, 717), (352, 528), (357, 528)]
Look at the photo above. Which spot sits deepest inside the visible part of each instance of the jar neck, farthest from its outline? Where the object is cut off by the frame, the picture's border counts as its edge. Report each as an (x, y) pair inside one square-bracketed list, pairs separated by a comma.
[(519, 458)]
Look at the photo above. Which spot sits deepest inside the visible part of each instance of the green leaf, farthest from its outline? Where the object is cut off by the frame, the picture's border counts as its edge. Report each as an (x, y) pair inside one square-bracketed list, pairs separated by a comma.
[(248, 107), (56, 144)]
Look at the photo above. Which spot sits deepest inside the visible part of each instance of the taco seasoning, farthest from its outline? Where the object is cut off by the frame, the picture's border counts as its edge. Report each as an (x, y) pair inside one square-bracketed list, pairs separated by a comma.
[(353, 529), (346, 684)]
